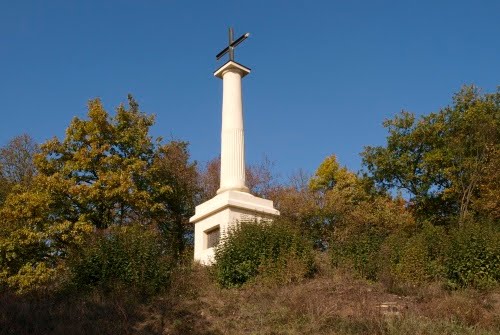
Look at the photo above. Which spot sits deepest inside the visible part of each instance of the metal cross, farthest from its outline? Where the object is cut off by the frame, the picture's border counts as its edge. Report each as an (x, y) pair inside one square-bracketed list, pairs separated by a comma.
[(232, 44)]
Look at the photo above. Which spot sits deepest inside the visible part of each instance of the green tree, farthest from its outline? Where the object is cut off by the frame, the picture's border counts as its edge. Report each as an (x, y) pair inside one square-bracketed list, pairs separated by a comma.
[(442, 160), (472, 144), (408, 161)]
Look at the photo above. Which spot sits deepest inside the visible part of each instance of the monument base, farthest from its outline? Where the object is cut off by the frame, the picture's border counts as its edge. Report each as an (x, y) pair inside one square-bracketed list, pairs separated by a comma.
[(213, 219)]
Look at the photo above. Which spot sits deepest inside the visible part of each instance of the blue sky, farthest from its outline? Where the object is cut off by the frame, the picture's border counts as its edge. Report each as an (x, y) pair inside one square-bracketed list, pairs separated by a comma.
[(325, 74)]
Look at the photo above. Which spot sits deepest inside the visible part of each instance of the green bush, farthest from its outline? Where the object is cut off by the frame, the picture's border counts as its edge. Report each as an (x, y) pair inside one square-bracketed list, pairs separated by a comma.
[(273, 250), (413, 259), (474, 256), (132, 257), (358, 248)]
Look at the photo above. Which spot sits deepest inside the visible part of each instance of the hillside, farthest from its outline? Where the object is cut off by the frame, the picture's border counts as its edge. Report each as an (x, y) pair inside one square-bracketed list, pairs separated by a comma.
[(333, 302)]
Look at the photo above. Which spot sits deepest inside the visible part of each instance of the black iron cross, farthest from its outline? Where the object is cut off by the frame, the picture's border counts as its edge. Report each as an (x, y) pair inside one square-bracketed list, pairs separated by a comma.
[(232, 44)]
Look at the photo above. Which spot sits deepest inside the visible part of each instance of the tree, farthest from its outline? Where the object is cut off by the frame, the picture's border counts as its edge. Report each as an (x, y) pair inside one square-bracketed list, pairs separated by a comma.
[(330, 175), (16, 164), (471, 149), (259, 179), (209, 180), (100, 168), (489, 187), (172, 169), (297, 204), (106, 172), (441, 160), (336, 201), (407, 162), (35, 237)]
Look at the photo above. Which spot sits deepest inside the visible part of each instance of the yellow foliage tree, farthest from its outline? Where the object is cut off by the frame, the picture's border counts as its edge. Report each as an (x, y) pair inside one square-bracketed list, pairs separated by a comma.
[(107, 171)]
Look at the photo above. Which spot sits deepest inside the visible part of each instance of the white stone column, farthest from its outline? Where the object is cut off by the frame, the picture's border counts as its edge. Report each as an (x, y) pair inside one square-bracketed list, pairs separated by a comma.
[(232, 174), (233, 203)]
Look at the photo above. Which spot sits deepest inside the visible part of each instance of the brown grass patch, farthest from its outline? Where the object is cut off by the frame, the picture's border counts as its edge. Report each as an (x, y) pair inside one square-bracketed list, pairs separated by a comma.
[(334, 302)]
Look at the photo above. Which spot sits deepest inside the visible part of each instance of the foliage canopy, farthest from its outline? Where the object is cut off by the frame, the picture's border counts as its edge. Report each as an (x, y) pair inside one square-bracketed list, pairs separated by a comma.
[(447, 161), (106, 172)]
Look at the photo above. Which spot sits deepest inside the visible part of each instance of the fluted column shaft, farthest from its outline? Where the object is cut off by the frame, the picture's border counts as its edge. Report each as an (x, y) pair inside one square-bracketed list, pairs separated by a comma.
[(232, 174)]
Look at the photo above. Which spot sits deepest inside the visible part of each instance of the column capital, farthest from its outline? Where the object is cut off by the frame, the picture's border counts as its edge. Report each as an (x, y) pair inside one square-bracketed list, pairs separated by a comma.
[(231, 65)]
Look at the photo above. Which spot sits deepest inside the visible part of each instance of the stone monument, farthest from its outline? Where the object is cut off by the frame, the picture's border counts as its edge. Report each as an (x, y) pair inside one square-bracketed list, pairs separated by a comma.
[(233, 202)]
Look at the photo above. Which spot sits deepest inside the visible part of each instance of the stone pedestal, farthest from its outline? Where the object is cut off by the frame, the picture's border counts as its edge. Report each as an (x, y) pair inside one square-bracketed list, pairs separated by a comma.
[(232, 203), (219, 214)]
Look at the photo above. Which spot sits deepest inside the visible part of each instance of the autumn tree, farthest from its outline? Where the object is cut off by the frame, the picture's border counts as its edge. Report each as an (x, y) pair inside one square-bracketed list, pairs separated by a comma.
[(175, 188), (101, 165), (35, 236), (337, 201), (106, 172), (259, 177), (209, 180), (299, 205), (16, 164)]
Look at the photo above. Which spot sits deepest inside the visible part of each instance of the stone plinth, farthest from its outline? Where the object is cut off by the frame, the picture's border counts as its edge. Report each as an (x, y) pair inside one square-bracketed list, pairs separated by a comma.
[(222, 212)]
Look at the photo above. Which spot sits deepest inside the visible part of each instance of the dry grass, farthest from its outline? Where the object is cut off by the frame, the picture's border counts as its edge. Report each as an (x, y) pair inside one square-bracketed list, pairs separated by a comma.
[(331, 303)]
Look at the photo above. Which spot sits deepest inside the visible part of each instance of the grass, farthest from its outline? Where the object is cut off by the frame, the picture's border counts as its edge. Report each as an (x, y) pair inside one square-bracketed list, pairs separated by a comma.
[(333, 302)]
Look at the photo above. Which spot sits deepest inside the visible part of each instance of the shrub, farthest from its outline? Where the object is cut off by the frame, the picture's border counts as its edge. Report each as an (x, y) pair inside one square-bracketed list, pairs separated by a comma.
[(474, 256), (269, 249), (130, 256), (358, 248), (412, 259)]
